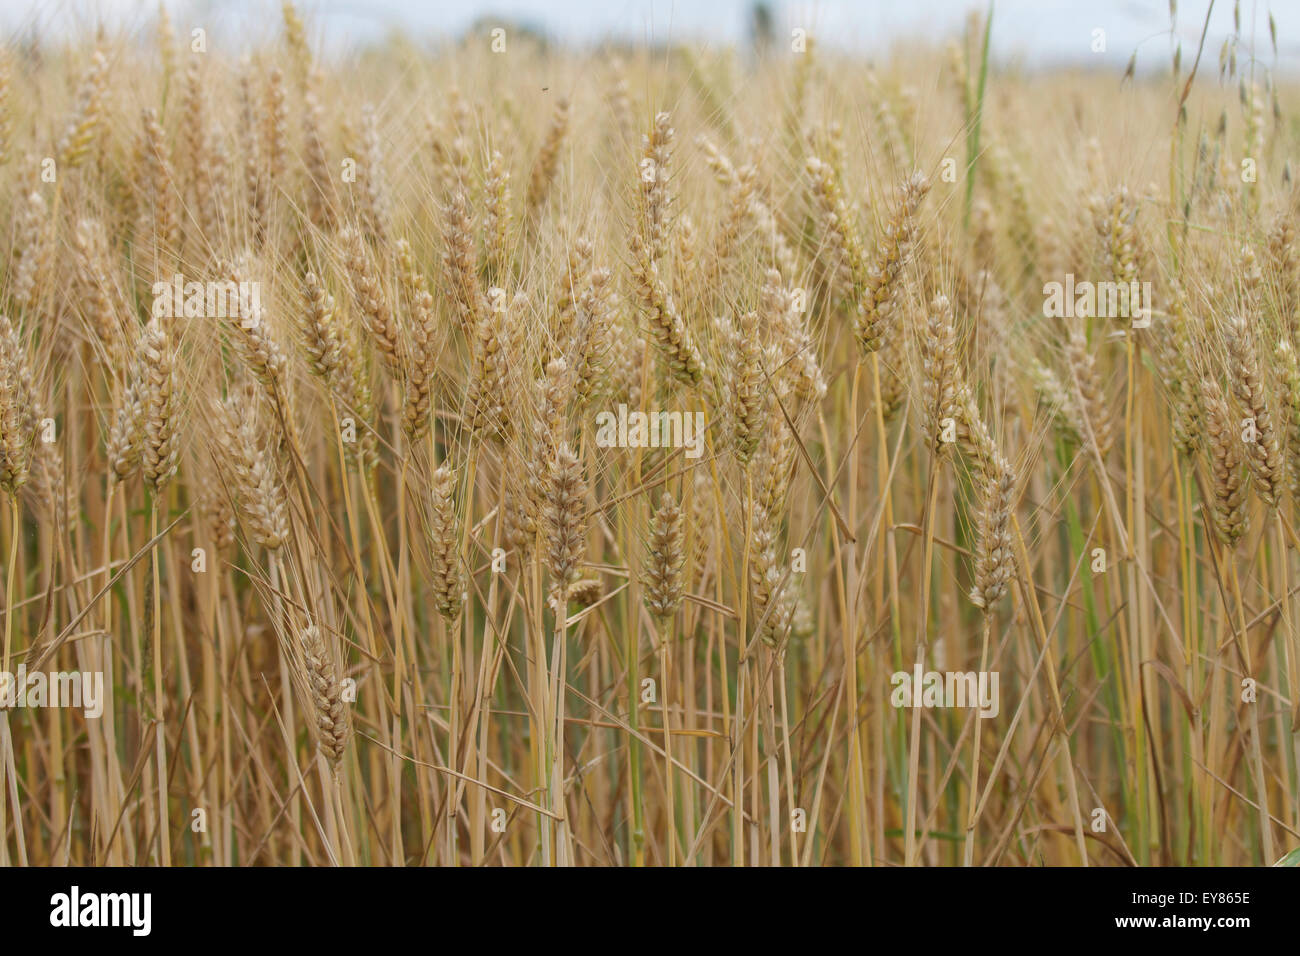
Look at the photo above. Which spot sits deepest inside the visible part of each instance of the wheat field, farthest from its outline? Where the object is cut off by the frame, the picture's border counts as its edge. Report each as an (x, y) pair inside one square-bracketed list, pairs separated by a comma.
[(504, 453)]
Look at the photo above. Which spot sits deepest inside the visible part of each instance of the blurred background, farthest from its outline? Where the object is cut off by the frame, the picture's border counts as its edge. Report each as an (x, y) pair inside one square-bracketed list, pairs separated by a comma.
[(1035, 34)]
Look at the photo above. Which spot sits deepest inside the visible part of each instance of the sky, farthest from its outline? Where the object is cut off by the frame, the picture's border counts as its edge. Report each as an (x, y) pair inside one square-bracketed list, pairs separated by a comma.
[(1036, 33)]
